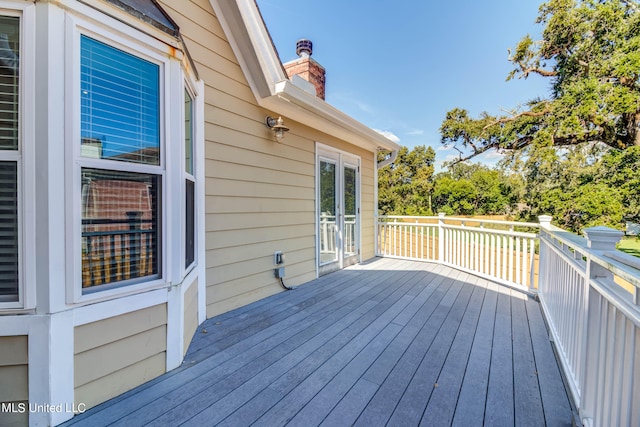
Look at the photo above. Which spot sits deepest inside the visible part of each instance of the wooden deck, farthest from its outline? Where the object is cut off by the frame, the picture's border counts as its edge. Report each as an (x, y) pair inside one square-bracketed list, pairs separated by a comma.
[(390, 342)]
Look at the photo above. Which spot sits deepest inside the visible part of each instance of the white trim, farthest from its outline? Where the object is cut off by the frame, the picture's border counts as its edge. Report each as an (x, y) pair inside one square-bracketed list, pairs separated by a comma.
[(375, 205), (61, 366), (322, 156), (169, 73), (341, 159), (117, 307), (128, 28), (199, 154), (188, 87), (24, 157), (175, 327)]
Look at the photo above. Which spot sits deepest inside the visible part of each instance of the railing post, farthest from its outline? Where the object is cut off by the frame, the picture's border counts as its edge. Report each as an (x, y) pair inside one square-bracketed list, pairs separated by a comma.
[(601, 239), (545, 221), (441, 239), (545, 224)]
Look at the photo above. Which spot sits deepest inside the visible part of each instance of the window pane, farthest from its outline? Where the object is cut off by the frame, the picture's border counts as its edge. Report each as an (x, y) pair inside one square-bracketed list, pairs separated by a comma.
[(8, 231), (350, 211), (120, 102), (328, 251), (9, 84), (120, 226), (188, 139), (190, 221)]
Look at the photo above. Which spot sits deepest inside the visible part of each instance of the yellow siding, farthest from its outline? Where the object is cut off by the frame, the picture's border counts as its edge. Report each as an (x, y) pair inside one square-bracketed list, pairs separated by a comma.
[(260, 194), (119, 353), (14, 379), (190, 314)]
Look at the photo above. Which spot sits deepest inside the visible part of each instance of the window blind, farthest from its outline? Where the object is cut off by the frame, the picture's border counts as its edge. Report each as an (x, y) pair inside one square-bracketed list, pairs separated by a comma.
[(8, 231), (9, 81), (120, 105), (9, 141)]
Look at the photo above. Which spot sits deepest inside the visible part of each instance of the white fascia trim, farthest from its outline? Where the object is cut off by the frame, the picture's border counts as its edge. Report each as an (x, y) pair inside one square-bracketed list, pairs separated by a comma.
[(242, 24), (262, 68), (260, 38), (295, 103)]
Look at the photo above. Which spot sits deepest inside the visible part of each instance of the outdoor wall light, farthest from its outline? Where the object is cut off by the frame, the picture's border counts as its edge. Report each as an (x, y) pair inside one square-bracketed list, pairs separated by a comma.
[(277, 126)]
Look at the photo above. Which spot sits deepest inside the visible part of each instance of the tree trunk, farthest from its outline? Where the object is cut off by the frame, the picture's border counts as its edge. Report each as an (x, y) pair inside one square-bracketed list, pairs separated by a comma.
[(636, 132)]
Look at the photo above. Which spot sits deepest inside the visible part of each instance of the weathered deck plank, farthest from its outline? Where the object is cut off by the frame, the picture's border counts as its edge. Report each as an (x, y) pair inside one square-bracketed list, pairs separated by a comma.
[(390, 341)]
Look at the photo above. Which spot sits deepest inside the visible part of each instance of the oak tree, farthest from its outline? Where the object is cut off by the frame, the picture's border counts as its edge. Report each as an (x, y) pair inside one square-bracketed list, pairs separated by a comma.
[(590, 52)]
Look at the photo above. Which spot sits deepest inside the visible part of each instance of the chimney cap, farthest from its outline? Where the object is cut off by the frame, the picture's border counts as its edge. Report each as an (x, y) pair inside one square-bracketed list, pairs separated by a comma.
[(304, 48)]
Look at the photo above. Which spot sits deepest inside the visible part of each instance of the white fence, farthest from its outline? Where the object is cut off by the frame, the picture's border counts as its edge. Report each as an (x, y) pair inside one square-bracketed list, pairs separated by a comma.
[(500, 250), (593, 321)]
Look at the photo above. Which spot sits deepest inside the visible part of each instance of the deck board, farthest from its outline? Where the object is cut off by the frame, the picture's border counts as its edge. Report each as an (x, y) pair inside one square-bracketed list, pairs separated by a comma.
[(388, 341)]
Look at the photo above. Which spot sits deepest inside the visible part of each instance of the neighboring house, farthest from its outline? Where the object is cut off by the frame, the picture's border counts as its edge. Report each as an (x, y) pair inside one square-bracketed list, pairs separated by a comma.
[(142, 192)]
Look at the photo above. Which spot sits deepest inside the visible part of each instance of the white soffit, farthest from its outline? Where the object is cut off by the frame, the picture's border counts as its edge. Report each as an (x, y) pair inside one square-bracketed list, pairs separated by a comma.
[(251, 43)]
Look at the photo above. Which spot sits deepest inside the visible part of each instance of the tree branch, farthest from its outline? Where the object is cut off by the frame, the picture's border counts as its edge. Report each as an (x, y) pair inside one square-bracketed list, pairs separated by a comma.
[(517, 116), (526, 71)]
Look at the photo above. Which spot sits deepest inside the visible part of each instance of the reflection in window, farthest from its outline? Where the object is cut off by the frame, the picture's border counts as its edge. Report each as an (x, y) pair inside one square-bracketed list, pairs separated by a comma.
[(120, 238), (8, 231), (327, 224), (120, 105), (190, 211), (350, 211)]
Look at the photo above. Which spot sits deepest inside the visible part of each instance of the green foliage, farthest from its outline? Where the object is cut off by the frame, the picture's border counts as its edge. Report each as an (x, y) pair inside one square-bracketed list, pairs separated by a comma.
[(584, 186), (590, 51), (577, 151), (475, 190), (404, 187)]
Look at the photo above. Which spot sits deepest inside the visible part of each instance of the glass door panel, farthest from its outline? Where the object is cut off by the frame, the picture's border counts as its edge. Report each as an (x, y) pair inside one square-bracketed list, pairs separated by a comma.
[(350, 211), (328, 213)]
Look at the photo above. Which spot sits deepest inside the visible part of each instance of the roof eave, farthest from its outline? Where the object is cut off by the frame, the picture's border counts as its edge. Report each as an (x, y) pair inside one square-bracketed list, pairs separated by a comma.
[(252, 45)]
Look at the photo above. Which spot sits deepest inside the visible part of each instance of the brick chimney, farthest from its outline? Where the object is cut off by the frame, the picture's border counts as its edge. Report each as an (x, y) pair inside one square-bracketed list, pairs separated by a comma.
[(306, 67)]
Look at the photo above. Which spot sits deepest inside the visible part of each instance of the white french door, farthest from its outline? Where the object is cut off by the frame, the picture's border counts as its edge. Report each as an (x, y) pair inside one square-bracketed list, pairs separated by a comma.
[(338, 209)]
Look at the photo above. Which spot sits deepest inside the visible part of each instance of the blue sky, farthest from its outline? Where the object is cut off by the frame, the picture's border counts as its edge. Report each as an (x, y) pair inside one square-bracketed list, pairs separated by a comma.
[(399, 66)]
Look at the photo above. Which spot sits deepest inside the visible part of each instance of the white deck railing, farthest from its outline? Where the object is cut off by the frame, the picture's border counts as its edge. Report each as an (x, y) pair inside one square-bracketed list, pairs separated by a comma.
[(594, 322), (503, 251)]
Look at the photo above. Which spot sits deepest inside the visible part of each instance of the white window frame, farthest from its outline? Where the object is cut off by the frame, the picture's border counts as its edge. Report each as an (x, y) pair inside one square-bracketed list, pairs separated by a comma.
[(189, 87), (24, 157), (119, 36), (341, 159)]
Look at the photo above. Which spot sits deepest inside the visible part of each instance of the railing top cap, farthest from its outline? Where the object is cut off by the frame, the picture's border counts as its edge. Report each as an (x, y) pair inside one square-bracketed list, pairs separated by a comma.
[(602, 238)]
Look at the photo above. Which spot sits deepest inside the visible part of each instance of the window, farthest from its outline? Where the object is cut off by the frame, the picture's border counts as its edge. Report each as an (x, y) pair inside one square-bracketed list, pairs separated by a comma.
[(189, 182), (121, 177), (10, 158), (120, 105)]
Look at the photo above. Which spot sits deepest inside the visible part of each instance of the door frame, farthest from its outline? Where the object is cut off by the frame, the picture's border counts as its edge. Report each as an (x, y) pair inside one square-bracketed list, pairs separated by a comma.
[(342, 159)]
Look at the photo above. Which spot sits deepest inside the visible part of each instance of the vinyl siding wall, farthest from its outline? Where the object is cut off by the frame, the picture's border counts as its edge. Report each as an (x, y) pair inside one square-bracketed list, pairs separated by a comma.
[(190, 314), (14, 379), (114, 355), (260, 194)]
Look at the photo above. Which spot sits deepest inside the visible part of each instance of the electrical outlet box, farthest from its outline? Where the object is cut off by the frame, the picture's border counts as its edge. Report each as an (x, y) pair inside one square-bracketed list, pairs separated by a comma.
[(279, 272), (278, 258)]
